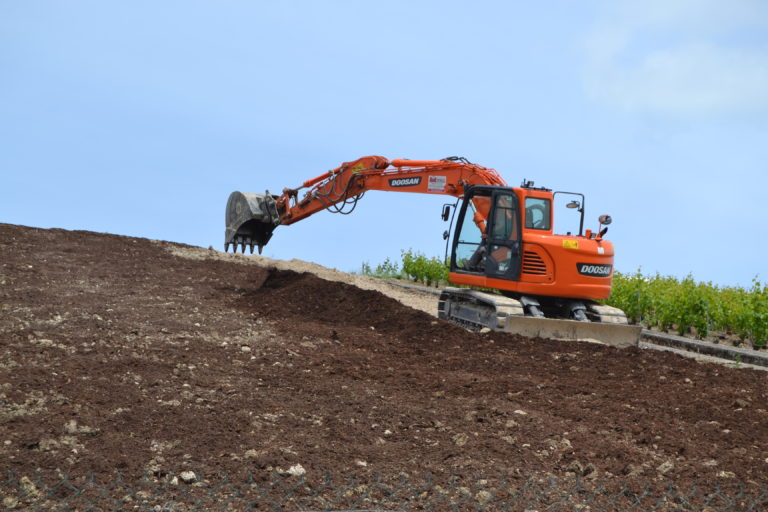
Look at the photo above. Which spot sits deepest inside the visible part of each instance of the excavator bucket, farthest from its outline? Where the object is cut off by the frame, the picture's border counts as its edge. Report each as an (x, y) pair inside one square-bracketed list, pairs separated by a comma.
[(251, 219)]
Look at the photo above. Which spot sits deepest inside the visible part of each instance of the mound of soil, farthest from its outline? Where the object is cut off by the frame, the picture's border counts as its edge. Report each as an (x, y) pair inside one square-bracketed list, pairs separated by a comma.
[(304, 296), (119, 355)]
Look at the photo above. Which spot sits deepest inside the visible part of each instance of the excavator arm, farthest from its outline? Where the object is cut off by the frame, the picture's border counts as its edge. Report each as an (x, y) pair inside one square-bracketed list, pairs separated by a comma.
[(251, 218)]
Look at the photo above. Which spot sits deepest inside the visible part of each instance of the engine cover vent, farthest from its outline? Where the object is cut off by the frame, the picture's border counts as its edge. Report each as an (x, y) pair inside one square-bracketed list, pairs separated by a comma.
[(533, 264)]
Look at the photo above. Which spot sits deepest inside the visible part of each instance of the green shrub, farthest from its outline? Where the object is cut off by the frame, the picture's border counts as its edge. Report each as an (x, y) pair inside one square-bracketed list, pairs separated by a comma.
[(630, 294), (685, 305), (758, 314), (419, 268)]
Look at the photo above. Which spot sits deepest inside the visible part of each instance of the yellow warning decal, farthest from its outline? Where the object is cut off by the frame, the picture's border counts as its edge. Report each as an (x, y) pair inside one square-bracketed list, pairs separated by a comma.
[(570, 244)]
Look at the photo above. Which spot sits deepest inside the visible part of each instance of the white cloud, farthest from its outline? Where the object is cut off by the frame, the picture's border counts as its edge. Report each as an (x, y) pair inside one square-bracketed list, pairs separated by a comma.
[(681, 56)]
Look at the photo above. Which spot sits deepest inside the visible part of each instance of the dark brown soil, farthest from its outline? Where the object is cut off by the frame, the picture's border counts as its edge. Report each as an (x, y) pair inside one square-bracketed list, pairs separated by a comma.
[(119, 356)]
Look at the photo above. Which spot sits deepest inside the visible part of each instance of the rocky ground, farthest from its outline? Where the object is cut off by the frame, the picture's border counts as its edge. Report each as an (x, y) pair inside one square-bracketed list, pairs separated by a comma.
[(146, 357)]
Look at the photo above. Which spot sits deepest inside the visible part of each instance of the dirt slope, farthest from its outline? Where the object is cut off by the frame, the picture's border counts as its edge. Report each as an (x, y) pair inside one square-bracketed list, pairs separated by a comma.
[(141, 356)]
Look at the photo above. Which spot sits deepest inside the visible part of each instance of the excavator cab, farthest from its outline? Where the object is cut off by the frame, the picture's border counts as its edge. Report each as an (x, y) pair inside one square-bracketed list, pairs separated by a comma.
[(487, 238), (503, 240)]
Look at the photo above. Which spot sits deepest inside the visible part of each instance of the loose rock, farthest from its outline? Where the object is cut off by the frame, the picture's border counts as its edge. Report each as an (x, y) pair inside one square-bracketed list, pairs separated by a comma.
[(187, 477)]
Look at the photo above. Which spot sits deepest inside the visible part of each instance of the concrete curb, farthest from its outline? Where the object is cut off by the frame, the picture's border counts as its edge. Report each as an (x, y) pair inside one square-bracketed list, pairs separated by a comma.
[(425, 289), (736, 354)]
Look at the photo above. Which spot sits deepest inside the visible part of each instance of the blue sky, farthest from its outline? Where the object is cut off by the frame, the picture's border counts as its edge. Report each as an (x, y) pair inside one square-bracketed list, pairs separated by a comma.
[(139, 118)]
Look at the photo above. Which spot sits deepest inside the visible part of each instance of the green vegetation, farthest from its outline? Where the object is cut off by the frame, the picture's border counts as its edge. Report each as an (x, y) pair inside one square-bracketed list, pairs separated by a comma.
[(663, 302), (387, 270), (414, 266), (687, 306), (427, 270)]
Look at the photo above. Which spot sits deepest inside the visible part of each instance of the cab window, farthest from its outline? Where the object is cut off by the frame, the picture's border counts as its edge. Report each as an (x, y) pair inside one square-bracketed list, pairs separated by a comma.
[(538, 213), (504, 219)]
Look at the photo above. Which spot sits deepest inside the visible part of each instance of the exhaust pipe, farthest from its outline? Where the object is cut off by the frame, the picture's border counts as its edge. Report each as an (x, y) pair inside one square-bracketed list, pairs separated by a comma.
[(251, 219)]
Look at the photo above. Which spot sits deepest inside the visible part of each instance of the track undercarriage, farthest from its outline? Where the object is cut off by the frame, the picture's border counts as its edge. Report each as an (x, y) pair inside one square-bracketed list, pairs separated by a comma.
[(536, 317)]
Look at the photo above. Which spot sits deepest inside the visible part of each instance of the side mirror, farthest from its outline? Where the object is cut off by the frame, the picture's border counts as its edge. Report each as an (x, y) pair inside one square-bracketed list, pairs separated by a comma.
[(446, 212), (573, 204), (605, 220)]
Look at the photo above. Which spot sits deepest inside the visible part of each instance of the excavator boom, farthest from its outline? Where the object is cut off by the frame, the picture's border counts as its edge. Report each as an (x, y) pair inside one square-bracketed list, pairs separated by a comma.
[(251, 218)]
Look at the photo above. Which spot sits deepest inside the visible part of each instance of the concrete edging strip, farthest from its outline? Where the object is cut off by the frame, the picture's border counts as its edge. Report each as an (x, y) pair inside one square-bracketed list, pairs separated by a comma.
[(742, 355)]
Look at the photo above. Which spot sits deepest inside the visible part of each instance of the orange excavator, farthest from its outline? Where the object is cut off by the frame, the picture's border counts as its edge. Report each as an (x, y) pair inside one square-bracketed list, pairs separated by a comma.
[(517, 274)]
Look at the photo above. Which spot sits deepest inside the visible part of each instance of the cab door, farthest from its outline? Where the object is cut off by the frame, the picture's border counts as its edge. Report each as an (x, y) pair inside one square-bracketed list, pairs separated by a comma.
[(488, 234), (504, 237)]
